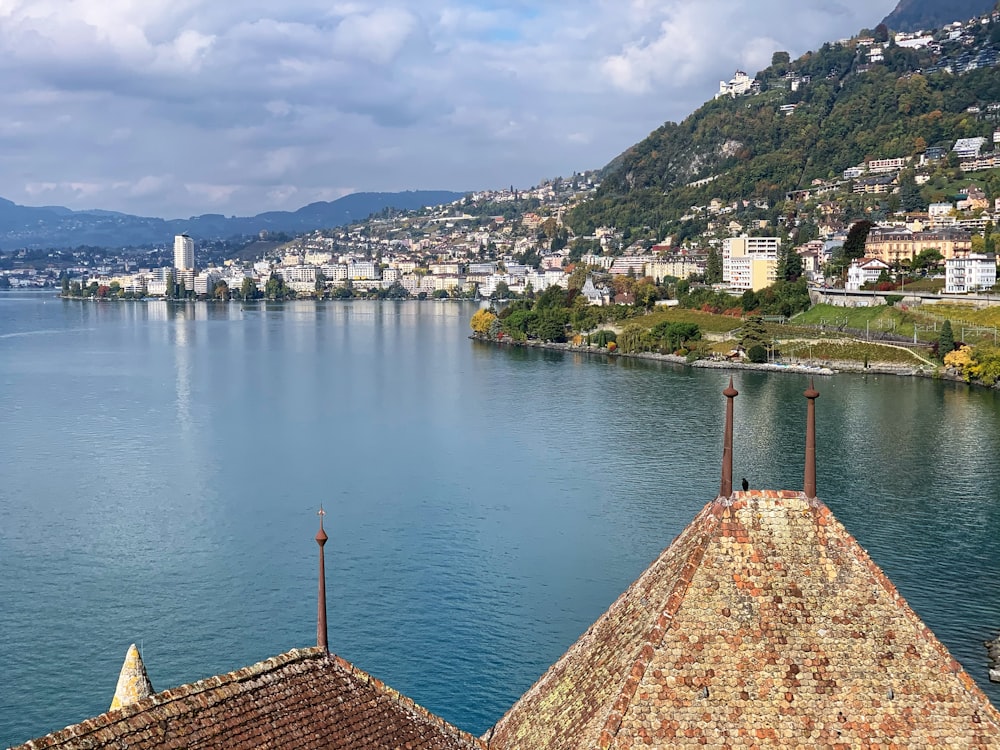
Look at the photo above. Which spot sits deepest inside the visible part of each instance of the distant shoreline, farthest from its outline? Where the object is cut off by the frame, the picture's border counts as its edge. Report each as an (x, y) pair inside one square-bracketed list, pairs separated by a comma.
[(828, 369)]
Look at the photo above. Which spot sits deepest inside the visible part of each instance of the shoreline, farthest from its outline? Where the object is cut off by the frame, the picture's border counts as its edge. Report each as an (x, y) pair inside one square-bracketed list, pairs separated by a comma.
[(828, 369)]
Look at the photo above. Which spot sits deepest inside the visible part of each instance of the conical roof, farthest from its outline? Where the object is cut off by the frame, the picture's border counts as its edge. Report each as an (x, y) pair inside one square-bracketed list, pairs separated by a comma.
[(133, 682), (764, 624)]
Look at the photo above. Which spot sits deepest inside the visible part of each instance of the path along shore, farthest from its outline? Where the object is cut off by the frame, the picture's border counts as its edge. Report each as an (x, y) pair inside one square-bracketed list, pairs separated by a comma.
[(826, 368)]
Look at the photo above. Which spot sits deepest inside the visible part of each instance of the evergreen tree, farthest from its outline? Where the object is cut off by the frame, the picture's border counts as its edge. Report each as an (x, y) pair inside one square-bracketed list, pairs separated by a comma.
[(946, 339), (171, 285), (854, 245), (789, 264), (713, 267)]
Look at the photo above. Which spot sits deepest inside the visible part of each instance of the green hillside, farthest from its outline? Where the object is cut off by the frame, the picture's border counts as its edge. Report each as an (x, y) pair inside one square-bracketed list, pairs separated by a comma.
[(846, 111)]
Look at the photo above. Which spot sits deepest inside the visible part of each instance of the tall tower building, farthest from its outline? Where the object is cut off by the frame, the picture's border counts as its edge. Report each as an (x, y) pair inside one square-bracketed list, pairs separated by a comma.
[(183, 253)]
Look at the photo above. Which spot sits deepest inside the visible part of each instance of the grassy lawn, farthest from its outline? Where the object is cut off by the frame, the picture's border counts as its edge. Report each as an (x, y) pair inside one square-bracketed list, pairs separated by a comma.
[(855, 351), (923, 285), (882, 318), (705, 321)]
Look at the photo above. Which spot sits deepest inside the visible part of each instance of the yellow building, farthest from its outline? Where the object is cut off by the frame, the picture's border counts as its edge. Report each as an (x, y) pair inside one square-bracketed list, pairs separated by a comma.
[(896, 245), (750, 262)]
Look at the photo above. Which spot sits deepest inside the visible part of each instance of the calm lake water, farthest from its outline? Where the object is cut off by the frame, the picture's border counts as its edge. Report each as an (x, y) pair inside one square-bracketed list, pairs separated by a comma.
[(162, 467)]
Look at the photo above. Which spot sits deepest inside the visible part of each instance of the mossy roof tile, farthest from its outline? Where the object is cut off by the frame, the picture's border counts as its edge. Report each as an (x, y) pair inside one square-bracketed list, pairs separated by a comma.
[(764, 624), (302, 699)]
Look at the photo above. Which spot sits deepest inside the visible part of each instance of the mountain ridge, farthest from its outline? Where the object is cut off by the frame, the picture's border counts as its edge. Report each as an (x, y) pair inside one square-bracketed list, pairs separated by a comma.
[(40, 227), (914, 15)]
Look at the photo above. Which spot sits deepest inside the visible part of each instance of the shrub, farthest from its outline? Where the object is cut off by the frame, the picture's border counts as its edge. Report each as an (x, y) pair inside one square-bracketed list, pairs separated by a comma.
[(604, 337)]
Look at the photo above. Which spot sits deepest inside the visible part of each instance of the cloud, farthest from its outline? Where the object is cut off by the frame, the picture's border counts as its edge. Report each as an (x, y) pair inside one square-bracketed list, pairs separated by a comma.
[(174, 107)]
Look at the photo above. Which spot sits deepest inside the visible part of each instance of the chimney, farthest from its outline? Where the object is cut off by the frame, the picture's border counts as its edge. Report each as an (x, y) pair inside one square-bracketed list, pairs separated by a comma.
[(321, 538), (809, 488), (726, 488)]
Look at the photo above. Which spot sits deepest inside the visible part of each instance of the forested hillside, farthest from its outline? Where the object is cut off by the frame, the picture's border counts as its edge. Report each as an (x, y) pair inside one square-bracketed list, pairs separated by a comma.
[(911, 15), (846, 111)]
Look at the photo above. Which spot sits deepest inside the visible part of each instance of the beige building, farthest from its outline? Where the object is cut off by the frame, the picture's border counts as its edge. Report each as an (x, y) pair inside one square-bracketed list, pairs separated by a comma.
[(750, 262), (678, 266), (897, 245)]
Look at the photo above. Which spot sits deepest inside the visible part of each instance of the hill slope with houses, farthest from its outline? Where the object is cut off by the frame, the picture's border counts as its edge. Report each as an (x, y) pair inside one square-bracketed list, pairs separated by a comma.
[(861, 128)]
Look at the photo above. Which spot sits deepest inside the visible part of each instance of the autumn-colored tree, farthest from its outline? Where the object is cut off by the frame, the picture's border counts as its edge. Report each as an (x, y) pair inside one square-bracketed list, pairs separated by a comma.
[(481, 321), (961, 360)]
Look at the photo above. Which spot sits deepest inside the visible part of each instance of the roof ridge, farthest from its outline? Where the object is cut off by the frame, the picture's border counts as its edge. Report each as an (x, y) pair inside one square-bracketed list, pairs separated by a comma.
[(658, 632), (102, 721), (96, 723), (390, 692)]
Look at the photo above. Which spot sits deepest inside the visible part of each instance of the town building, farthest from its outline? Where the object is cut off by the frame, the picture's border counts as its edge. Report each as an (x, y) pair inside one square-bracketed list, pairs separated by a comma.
[(971, 273), (864, 271), (763, 624), (750, 262), (675, 265), (183, 253), (738, 85), (894, 245)]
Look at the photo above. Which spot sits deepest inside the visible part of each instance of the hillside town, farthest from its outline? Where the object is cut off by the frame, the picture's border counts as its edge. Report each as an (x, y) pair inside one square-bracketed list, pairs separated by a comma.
[(510, 242)]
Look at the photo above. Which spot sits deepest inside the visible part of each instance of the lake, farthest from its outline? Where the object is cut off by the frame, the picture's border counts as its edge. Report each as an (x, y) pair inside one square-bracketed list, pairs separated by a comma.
[(162, 466)]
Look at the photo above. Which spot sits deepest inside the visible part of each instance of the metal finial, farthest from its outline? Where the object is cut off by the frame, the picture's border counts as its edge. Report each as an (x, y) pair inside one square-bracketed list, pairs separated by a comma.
[(321, 634), (726, 487), (809, 485)]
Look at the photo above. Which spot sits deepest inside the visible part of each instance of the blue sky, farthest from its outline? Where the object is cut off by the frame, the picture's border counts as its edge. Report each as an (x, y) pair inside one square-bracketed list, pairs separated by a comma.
[(180, 107)]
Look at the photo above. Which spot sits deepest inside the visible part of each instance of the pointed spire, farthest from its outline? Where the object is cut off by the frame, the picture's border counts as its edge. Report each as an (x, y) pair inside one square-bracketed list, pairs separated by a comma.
[(809, 488), (726, 488), (133, 682), (321, 538)]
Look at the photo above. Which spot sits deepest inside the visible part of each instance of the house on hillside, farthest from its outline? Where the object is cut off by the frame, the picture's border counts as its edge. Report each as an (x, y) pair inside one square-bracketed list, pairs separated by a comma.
[(864, 271)]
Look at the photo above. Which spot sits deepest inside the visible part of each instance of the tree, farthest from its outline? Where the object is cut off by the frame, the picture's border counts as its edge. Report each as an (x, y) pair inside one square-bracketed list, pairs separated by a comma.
[(854, 245), (789, 264), (502, 291), (780, 58), (481, 321), (221, 291), (171, 285), (946, 340), (754, 332), (757, 354), (65, 284), (248, 289), (713, 267)]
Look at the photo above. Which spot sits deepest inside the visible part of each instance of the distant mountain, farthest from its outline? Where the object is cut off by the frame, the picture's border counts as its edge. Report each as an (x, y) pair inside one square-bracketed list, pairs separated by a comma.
[(56, 226), (912, 15)]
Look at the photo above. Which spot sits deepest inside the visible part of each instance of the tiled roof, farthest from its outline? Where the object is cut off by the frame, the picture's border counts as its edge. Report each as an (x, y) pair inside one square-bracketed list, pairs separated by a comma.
[(302, 699), (764, 624)]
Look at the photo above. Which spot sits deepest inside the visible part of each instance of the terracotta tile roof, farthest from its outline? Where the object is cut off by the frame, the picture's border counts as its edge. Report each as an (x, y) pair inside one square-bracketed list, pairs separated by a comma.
[(302, 699), (764, 624)]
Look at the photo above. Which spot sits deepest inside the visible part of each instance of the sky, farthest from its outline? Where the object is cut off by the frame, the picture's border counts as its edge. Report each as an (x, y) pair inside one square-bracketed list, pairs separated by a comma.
[(175, 108)]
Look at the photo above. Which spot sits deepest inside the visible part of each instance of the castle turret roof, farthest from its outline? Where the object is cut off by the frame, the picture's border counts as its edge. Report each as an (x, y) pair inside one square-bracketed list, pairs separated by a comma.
[(764, 624)]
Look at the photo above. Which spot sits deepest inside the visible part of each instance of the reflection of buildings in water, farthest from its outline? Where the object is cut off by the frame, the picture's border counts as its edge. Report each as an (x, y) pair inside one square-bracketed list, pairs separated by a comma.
[(156, 309), (183, 330)]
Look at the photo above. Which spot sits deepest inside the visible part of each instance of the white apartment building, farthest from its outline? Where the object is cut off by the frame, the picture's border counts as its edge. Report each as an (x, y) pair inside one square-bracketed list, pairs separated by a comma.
[(204, 281), (972, 273), (362, 270), (864, 271), (183, 253), (750, 262), (334, 271), (877, 166)]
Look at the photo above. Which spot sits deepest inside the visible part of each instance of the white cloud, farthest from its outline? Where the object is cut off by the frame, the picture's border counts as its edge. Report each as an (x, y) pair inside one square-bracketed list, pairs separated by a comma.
[(174, 107)]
